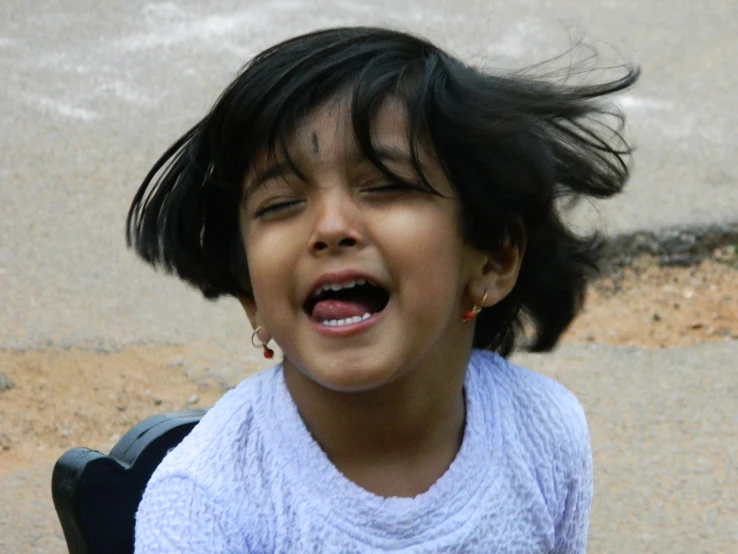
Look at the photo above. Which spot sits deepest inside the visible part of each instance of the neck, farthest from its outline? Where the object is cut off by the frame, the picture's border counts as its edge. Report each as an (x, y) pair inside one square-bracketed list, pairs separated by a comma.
[(396, 440)]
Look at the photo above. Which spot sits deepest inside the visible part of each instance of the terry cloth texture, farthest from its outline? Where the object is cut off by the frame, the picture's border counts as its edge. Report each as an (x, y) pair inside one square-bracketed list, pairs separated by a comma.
[(251, 479)]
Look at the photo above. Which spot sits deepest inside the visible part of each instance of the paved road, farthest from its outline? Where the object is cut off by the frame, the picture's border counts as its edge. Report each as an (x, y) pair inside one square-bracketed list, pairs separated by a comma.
[(93, 91)]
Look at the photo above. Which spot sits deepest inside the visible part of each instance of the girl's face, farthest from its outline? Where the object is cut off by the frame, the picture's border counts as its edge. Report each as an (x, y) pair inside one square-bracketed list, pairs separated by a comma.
[(358, 279)]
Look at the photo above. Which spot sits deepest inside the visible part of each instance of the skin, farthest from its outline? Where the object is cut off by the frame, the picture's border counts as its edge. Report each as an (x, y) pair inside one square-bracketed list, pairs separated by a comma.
[(386, 404)]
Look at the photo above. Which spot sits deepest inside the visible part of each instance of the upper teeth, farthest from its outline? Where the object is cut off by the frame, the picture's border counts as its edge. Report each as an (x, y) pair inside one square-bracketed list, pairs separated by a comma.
[(339, 286)]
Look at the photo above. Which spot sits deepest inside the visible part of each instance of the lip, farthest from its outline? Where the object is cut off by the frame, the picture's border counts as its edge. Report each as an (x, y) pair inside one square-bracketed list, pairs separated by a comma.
[(341, 277)]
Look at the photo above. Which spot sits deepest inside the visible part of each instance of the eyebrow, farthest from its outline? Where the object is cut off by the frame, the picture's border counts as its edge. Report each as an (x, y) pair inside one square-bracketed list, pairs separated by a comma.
[(388, 153), (279, 169), (273, 171)]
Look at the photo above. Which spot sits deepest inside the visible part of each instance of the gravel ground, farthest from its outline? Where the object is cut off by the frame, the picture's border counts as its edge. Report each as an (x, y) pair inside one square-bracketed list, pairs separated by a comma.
[(664, 432)]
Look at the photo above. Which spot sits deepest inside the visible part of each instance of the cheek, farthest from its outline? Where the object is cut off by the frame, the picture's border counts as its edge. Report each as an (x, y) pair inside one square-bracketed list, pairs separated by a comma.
[(433, 236), (266, 261), (274, 256), (427, 249)]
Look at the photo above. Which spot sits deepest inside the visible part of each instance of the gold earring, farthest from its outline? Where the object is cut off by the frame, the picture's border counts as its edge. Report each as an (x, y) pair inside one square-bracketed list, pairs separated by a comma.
[(472, 314), (268, 352)]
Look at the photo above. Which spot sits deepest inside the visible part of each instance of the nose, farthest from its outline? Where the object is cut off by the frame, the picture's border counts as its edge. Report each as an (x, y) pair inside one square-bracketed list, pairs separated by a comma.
[(337, 225)]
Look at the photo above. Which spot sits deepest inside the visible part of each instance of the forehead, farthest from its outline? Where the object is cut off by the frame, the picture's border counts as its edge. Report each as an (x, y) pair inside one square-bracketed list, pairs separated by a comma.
[(325, 140), (327, 132), (332, 123)]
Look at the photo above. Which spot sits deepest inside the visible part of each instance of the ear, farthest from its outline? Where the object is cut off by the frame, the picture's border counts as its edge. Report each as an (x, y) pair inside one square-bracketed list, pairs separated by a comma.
[(496, 274), (249, 306)]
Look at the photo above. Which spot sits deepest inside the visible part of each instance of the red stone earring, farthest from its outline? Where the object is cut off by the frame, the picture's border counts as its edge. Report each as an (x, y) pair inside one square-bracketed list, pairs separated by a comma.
[(268, 352), (471, 315)]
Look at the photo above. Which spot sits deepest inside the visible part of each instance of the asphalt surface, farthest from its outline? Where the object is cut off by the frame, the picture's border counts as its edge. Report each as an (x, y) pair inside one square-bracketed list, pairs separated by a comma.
[(92, 92)]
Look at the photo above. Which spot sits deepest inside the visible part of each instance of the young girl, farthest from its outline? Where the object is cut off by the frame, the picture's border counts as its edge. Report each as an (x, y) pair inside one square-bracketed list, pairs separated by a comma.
[(388, 216)]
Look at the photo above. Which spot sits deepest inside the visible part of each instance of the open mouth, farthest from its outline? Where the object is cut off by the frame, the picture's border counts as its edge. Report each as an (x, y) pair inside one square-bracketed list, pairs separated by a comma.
[(346, 303)]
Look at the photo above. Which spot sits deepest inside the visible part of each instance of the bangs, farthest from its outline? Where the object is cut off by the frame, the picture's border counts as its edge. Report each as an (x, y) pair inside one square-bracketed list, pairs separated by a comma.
[(274, 93)]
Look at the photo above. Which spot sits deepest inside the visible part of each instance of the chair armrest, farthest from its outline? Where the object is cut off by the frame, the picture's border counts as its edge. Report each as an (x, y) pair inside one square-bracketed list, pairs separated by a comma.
[(96, 496)]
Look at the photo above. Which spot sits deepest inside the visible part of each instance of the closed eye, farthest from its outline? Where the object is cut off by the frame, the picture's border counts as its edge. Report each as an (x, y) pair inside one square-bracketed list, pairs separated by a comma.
[(276, 207)]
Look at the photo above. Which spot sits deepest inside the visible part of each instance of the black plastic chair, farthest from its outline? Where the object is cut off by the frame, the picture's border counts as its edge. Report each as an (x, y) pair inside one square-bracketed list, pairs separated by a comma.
[(96, 496)]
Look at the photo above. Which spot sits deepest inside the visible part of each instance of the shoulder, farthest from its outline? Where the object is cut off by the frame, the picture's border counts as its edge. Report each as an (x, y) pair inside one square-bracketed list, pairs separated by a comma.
[(222, 440), (546, 417), (175, 515), (205, 490), (545, 439)]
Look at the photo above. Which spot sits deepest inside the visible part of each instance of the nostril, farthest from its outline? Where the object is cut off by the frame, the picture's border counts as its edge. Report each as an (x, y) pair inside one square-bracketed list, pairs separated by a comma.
[(346, 242)]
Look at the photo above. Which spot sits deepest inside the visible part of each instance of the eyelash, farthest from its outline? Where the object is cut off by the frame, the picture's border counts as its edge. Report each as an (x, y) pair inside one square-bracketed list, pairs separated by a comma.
[(391, 186), (275, 207)]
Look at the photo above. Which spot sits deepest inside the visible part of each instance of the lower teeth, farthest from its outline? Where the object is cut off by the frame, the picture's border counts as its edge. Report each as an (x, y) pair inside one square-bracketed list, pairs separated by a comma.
[(347, 321)]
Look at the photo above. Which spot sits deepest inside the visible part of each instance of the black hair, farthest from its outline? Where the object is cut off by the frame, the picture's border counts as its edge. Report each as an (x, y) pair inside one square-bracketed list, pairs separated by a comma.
[(513, 144)]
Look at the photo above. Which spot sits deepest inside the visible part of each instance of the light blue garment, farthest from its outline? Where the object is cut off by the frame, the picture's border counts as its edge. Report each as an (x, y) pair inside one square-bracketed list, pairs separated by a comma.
[(251, 479)]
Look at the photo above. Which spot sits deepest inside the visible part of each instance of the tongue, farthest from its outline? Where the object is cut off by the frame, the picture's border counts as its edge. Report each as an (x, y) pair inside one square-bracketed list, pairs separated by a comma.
[(327, 310)]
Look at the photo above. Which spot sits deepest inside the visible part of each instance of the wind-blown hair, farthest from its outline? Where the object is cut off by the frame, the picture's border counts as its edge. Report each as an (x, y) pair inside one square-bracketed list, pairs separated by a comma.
[(512, 144)]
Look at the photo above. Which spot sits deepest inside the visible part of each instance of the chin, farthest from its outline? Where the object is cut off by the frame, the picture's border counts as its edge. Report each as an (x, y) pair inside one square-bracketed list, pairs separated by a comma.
[(352, 381)]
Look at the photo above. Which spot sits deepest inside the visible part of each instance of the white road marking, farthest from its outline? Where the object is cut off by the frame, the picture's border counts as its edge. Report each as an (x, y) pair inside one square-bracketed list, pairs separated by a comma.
[(58, 107)]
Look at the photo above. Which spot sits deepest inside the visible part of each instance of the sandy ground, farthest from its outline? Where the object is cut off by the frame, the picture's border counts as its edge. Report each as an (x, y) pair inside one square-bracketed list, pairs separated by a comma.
[(651, 306), (54, 399)]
